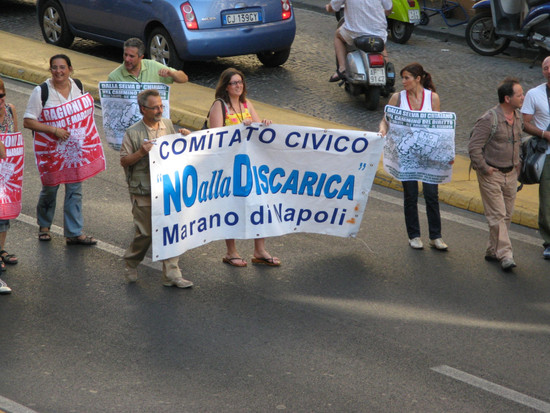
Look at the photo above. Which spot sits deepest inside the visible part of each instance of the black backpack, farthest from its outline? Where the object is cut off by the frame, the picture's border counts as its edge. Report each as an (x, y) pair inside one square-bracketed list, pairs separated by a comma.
[(532, 155), (44, 92)]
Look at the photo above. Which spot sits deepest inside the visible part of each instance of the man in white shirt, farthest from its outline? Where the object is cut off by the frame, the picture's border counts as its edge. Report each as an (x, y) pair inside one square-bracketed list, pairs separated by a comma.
[(536, 118), (363, 17)]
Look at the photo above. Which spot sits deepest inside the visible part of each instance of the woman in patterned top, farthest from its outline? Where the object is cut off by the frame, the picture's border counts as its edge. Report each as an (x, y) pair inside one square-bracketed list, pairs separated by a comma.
[(8, 124), (231, 108)]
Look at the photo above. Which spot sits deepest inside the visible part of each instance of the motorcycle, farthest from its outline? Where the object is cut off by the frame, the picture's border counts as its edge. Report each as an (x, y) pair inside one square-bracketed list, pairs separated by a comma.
[(404, 16), (498, 22), (367, 71)]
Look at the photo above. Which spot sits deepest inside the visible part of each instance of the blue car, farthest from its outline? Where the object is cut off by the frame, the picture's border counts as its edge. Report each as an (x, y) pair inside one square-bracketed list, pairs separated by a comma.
[(176, 30)]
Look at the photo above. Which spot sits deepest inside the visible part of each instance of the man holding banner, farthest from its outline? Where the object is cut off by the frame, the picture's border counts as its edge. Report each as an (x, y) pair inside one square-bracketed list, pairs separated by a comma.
[(134, 157)]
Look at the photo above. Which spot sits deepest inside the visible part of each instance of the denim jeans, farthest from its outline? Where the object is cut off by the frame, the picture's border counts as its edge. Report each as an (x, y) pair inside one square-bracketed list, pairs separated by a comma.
[(72, 208), (431, 196)]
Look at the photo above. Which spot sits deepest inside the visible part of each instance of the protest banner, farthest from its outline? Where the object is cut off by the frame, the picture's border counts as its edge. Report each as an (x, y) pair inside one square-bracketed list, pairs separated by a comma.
[(120, 107), (420, 146), (11, 175), (78, 158), (258, 181)]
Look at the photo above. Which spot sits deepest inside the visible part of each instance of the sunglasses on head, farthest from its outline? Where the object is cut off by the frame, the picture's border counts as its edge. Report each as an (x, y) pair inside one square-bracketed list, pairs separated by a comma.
[(2, 95)]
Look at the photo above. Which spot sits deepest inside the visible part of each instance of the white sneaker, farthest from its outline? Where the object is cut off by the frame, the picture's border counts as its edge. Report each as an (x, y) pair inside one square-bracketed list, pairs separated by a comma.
[(438, 244), (4, 289), (416, 243)]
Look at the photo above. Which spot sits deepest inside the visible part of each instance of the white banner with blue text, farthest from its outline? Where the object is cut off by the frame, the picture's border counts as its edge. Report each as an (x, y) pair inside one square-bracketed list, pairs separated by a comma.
[(420, 146), (258, 181)]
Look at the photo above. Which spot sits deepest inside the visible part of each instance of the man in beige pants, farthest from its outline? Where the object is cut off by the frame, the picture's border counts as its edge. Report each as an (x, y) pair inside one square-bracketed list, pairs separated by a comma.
[(494, 150), (134, 157)]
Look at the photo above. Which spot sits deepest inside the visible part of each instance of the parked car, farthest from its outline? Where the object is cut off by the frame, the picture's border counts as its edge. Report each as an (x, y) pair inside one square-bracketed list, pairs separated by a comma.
[(176, 30)]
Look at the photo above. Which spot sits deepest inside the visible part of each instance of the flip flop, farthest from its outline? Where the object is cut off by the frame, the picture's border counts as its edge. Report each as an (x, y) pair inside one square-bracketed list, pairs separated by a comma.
[(266, 261), (230, 261)]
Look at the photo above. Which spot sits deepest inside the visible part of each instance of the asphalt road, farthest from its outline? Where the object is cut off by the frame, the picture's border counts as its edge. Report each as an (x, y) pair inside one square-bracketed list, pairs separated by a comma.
[(365, 324)]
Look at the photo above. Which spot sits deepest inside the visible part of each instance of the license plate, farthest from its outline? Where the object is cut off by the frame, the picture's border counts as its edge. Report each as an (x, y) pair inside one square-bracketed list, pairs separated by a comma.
[(414, 16), (377, 76), (242, 18)]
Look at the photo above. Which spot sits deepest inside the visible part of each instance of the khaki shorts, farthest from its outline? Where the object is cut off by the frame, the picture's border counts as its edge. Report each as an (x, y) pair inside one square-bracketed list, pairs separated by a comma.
[(344, 34)]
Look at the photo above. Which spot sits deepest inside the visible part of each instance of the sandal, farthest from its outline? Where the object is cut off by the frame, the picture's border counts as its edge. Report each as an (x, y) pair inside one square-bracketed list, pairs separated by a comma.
[(2, 266), (337, 76), (44, 235), (6, 258), (267, 261), (231, 261), (87, 240)]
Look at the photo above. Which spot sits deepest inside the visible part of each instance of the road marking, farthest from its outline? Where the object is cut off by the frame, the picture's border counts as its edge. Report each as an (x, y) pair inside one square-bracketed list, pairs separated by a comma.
[(13, 407), (103, 246), (528, 239), (493, 388)]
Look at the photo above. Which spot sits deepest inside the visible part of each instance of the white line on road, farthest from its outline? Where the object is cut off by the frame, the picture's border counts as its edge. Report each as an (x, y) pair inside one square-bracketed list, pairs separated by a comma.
[(457, 218), (493, 388), (103, 246), (13, 407)]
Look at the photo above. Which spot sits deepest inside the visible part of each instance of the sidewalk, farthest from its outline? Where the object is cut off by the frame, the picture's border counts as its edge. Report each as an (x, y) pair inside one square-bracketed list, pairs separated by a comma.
[(28, 60)]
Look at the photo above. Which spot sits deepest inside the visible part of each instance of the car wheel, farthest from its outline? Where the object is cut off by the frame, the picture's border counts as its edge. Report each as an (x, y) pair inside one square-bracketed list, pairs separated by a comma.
[(160, 47), (274, 59), (54, 26)]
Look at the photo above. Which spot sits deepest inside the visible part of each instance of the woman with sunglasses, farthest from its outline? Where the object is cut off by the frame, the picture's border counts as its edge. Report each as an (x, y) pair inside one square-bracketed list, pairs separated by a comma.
[(231, 107)]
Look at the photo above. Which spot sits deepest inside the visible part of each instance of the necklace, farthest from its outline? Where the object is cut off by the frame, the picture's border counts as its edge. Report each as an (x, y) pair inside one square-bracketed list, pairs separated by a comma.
[(235, 112)]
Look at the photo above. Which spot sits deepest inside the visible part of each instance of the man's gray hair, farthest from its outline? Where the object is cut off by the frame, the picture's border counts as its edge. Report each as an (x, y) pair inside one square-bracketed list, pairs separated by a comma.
[(137, 43), (143, 96)]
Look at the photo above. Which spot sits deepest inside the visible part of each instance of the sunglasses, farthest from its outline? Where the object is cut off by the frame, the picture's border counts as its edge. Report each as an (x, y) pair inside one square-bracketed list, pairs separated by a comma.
[(2, 95)]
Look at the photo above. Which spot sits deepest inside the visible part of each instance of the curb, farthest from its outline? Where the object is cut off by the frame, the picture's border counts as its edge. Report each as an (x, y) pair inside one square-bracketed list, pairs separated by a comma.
[(23, 60)]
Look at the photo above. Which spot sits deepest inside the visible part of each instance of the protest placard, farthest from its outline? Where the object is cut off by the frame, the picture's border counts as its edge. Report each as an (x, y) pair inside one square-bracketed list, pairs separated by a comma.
[(80, 156), (120, 108), (420, 146), (11, 175), (258, 181)]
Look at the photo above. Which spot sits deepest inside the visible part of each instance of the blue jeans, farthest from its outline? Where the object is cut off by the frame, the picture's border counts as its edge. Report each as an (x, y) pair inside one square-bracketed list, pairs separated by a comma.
[(72, 208), (431, 196)]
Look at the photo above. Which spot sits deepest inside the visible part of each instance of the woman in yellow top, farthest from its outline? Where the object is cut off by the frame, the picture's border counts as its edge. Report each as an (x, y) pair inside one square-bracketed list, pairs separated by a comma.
[(231, 93)]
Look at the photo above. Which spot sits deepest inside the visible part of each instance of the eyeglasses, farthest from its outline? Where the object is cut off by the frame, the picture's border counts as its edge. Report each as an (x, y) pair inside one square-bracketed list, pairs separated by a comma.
[(2, 95), (58, 68), (160, 107), (236, 82)]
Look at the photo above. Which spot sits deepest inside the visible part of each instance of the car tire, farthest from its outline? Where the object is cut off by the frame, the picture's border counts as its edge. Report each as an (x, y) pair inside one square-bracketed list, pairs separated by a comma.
[(274, 59), (54, 26), (160, 47)]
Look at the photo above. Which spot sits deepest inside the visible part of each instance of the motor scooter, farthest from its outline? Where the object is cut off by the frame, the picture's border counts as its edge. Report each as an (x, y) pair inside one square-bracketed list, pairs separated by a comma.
[(367, 71), (498, 22), (404, 16)]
